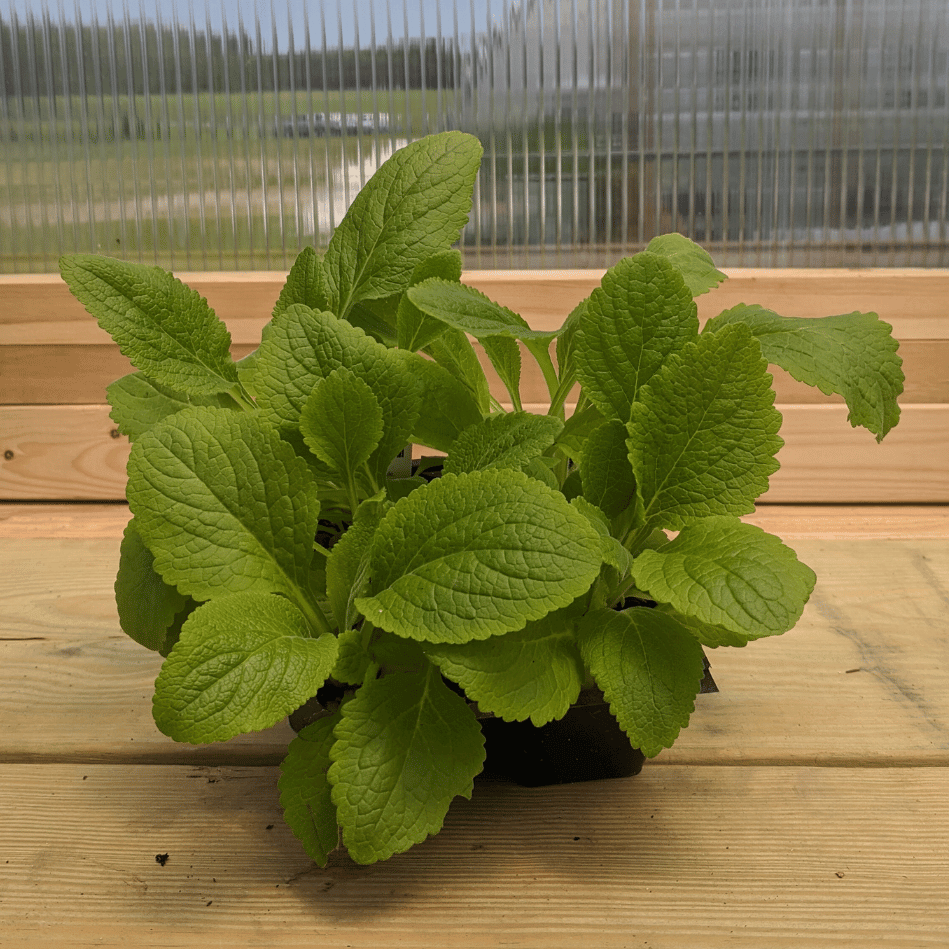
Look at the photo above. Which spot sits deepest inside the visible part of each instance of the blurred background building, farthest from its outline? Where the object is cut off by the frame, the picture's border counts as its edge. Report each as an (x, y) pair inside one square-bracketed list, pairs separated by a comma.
[(227, 135)]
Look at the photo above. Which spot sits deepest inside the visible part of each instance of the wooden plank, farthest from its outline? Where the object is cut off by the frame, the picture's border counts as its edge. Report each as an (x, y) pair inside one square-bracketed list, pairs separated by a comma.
[(863, 677), (27, 520), (79, 373), (72, 452), (673, 858), (913, 297)]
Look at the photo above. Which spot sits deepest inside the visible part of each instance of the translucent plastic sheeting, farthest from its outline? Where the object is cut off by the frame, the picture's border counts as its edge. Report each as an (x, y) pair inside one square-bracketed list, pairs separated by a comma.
[(226, 135)]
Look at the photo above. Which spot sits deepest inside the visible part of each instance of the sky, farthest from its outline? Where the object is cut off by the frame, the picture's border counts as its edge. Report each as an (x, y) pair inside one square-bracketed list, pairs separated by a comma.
[(280, 18)]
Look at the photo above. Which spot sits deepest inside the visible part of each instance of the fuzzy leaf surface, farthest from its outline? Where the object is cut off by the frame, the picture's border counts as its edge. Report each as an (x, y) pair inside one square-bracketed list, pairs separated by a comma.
[(533, 673), (703, 436), (166, 329), (605, 471), (406, 746), (305, 791), (506, 440), (853, 355), (416, 330), (224, 504), (305, 347), (341, 422), (305, 284), (446, 405), (469, 310), (473, 555), (147, 606), (692, 261), (347, 566), (731, 574), (640, 314), (138, 402), (242, 663), (650, 669), (414, 206)]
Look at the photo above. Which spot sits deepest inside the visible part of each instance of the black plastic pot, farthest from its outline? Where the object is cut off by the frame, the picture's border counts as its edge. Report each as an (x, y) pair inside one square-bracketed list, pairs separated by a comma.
[(587, 744)]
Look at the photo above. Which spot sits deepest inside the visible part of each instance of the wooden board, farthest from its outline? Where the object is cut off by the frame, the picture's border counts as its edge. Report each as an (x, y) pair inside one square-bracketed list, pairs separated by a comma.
[(673, 858), (24, 520), (864, 676), (75, 452)]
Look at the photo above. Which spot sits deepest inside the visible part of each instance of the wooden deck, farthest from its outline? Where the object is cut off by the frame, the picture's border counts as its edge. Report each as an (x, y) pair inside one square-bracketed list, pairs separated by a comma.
[(807, 805)]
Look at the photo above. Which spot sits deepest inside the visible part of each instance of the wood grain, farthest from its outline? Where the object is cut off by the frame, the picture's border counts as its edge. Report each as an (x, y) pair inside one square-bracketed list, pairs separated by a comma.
[(26, 520), (71, 452), (673, 858), (73, 687), (915, 297)]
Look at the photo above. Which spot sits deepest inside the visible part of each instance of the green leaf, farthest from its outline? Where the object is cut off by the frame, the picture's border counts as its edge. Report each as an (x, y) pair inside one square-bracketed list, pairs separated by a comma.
[(470, 311), (138, 403), (347, 567), (415, 329), (650, 669), (505, 440), (305, 284), (166, 329), (453, 351), (727, 573), (341, 422), (693, 262), (147, 606), (353, 661), (533, 673), (614, 553), (446, 405), (704, 434), (640, 314), (853, 355), (243, 663), (414, 206), (305, 347), (605, 471), (505, 356), (474, 555), (224, 505), (406, 746), (305, 791)]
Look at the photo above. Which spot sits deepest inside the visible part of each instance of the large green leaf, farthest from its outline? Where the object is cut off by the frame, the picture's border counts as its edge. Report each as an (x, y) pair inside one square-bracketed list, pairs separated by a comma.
[(305, 790), (414, 206), (243, 663), (224, 505), (406, 746), (853, 355), (305, 347), (473, 555), (640, 314), (650, 669), (505, 440), (730, 574), (692, 261), (533, 673), (166, 329), (147, 606), (704, 432)]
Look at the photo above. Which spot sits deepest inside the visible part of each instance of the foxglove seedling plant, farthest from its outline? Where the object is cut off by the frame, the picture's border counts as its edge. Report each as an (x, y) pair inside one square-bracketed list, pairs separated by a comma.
[(273, 555)]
